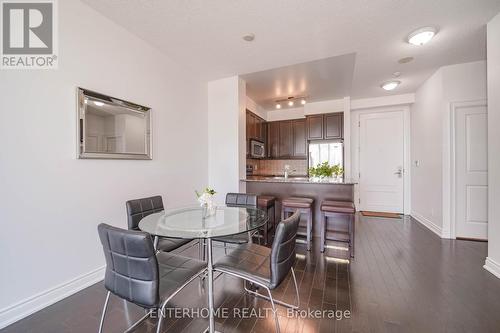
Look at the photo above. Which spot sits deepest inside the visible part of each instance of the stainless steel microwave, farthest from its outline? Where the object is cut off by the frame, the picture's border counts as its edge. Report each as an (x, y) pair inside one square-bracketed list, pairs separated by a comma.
[(257, 149)]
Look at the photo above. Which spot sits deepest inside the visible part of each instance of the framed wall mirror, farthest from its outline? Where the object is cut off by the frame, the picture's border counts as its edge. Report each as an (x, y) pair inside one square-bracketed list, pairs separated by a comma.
[(111, 128)]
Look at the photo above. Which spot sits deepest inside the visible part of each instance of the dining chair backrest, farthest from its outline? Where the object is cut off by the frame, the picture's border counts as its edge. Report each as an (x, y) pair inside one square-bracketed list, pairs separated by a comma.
[(137, 209), (131, 265), (283, 249), (241, 199)]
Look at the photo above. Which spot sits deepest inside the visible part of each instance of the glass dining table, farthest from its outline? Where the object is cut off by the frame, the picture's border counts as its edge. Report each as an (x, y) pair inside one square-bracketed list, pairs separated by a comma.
[(190, 223)]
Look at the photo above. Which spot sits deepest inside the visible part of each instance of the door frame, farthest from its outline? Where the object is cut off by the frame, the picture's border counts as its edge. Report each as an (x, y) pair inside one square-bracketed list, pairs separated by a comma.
[(449, 222), (355, 144)]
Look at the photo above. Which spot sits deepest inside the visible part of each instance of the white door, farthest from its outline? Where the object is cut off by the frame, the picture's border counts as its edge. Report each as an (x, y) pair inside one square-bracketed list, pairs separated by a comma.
[(471, 170), (381, 161)]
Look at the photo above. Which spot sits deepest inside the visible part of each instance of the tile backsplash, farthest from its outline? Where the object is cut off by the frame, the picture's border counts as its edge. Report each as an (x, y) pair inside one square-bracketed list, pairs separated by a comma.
[(277, 167)]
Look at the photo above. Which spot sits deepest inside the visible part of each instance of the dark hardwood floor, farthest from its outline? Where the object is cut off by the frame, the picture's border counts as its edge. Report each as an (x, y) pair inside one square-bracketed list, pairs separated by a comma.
[(403, 279)]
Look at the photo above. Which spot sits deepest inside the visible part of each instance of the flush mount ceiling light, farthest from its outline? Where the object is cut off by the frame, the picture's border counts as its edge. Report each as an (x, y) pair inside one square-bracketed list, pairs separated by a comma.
[(98, 103), (390, 85), (248, 37), (422, 36)]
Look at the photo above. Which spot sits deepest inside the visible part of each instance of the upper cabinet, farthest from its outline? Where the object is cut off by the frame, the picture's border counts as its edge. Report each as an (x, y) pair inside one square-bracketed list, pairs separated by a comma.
[(334, 126), (299, 138), (273, 139), (314, 127), (325, 126), (287, 139), (256, 127)]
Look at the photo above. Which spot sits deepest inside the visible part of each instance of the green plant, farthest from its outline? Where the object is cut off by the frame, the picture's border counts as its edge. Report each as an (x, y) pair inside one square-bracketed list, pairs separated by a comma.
[(325, 170), (207, 190)]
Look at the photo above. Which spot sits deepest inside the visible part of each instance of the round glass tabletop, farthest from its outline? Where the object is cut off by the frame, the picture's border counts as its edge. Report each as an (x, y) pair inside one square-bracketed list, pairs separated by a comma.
[(189, 222)]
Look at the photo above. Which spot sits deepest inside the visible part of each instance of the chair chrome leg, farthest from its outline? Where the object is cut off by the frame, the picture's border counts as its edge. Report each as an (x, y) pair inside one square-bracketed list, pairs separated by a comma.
[(101, 324), (296, 287), (275, 313), (160, 316), (287, 305), (137, 323)]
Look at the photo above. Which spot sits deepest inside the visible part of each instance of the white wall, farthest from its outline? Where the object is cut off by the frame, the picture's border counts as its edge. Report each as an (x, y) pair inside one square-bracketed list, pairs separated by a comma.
[(254, 107), (426, 148), (226, 130), (493, 260), (51, 202), (285, 114), (431, 139)]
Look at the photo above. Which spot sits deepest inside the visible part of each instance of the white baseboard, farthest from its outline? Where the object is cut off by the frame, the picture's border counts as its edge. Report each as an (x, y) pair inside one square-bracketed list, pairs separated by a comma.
[(39, 301), (428, 224), (492, 266)]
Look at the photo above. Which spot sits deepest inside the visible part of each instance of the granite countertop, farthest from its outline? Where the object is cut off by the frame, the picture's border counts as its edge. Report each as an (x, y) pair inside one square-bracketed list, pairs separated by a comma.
[(299, 180)]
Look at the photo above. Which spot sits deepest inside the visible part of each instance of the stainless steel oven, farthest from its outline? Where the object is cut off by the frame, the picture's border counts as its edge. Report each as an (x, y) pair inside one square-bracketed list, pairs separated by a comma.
[(257, 149)]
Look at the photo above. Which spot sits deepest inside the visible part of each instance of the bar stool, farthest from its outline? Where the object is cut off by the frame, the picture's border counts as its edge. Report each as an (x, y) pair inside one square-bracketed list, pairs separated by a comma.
[(333, 208), (305, 206), (267, 202)]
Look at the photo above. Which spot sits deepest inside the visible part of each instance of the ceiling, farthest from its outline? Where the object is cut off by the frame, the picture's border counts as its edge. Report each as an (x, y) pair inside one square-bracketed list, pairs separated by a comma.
[(205, 36), (329, 78)]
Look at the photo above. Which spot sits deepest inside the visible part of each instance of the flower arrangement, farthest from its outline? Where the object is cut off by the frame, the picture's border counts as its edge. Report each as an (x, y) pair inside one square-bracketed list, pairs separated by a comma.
[(324, 170), (207, 202)]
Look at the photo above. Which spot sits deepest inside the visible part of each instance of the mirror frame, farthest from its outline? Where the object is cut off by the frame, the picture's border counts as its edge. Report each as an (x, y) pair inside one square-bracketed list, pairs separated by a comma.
[(80, 116)]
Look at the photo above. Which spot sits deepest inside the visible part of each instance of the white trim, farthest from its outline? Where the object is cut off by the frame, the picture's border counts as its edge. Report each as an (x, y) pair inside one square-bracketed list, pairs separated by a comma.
[(347, 138), (30, 305), (384, 101), (428, 224), (449, 192), (492, 266), (355, 118)]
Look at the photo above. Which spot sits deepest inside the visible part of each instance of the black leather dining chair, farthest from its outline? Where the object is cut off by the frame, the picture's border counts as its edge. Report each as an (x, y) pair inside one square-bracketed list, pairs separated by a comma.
[(238, 200), (137, 209), (137, 273), (266, 267)]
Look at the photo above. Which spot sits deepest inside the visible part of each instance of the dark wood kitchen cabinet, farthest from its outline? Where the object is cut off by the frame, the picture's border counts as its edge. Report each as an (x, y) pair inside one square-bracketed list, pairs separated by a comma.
[(285, 139), (273, 138), (299, 138), (256, 127), (325, 126), (334, 125), (250, 125), (314, 126)]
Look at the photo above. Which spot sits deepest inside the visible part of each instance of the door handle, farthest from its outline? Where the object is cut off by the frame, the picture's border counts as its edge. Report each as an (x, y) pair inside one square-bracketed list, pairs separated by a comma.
[(399, 172)]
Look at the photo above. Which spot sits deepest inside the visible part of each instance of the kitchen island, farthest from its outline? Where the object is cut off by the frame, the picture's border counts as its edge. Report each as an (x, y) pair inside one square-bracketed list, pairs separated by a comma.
[(281, 187)]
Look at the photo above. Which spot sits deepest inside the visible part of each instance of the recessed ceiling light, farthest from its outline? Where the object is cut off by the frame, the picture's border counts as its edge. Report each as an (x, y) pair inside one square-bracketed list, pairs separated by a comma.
[(248, 37), (396, 74), (278, 106), (98, 103), (303, 101), (422, 35), (405, 60), (390, 85), (290, 103)]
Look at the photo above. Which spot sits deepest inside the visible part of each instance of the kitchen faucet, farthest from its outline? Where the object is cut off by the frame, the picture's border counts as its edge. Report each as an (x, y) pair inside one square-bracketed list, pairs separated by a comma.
[(288, 171)]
